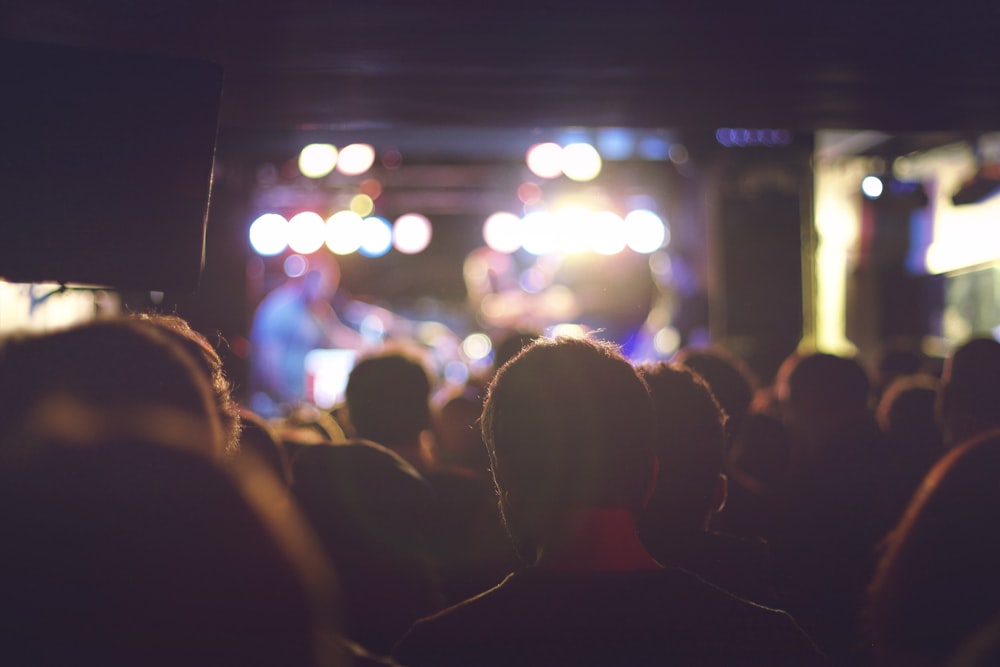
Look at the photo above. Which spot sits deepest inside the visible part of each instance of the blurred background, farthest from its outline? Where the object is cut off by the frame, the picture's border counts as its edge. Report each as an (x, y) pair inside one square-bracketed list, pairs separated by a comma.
[(762, 176)]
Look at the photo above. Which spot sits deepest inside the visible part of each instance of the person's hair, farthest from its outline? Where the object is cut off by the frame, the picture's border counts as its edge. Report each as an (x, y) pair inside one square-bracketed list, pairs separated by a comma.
[(388, 397), (568, 424), (258, 438), (690, 445), (113, 372), (907, 409), (969, 402), (837, 383), (730, 379), (210, 363), (135, 553), (937, 579)]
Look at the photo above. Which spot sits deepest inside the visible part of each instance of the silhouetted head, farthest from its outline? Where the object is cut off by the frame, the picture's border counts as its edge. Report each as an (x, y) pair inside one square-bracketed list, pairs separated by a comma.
[(388, 398), (109, 377), (823, 392), (937, 581), (970, 391), (569, 426), (730, 379), (906, 411), (690, 445)]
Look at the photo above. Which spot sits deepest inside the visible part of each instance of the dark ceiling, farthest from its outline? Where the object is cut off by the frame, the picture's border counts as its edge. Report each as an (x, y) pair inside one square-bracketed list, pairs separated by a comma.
[(348, 64)]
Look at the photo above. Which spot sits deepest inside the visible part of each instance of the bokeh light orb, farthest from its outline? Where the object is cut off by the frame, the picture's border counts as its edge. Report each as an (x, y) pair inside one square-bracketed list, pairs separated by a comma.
[(581, 162), (317, 160), (306, 232), (529, 193), (574, 229), (872, 186), (295, 266), (539, 233), (371, 187), (343, 232), (355, 159), (608, 233), (502, 232), (411, 233), (376, 237), (477, 346), (645, 231), (545, 160), (269, 234), (362, 204)]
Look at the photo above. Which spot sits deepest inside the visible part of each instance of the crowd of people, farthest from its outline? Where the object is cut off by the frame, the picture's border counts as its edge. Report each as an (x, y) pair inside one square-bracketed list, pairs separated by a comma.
[(573, 508)]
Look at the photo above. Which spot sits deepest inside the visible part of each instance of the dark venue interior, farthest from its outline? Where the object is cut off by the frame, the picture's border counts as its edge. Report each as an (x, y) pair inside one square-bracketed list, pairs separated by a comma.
[(816, 178)]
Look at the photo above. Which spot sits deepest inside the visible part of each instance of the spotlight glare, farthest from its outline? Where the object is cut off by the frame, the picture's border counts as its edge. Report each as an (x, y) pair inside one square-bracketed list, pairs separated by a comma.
[(376, 237), (477, 346), (411, 234), (355, 159), (539, 233), (502, 232), (269, 234), (317, 160), (609, 233), (581, 162), (872, 187), (306, 232), (645, 232), (545, 160), (343, 232)]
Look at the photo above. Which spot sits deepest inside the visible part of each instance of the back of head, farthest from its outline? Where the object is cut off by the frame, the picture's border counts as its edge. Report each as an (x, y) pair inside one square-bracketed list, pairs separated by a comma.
[(568, 424), (121, 374), (729, 378), (970, 393), (133, 553), (690, 445), (823, 392), (906, 412), (388, 398), (937, 581)]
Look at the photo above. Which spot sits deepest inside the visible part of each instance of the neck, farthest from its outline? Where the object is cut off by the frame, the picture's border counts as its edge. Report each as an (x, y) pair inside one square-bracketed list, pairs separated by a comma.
[(603, 539)]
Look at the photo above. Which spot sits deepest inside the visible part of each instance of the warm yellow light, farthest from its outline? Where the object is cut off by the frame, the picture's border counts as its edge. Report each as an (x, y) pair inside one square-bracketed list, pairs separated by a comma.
[(344, 232), (362, 205), (317, 160), (581, 162), (539, 233), (608, 233), (477, 346), (574, 229)]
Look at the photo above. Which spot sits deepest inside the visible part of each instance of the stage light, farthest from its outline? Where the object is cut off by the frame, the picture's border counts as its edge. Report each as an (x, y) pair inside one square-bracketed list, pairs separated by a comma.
[(362, 205), (645, 232), (529, 193), (343, 232), (574, 229), (477, 346), (317, 160), (545, 160), (269, 234), (376, 237), (502, 232), (872, 187), (411, 234), (608, 233), (355, 159), (539, 234), (371, 187), (581, 162), (306, 232)]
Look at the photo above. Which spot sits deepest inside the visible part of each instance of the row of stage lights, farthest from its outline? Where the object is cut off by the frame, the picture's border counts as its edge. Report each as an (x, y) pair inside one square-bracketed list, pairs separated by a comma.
[(569, 230)]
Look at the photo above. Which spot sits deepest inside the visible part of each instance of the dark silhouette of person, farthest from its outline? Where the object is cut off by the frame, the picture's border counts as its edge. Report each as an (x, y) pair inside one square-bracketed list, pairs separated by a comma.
[(937, 582), (570, 430), (372, 512), (730, 379), (691, 488), (824, 548), (970, 391)]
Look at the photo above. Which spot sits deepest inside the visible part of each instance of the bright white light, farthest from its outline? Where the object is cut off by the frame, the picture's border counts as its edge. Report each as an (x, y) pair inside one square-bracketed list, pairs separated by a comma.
[(306, 232), (376, 237), (872, 187), (317, 160), (645, 231), (343, 232), (574, 229), (608, 233), (411, 233), (476, 346), (666, 341), (502, 232), (269, 234), (355, 159), (568, 330), (581, 162), (545, 160), (539, 233)]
